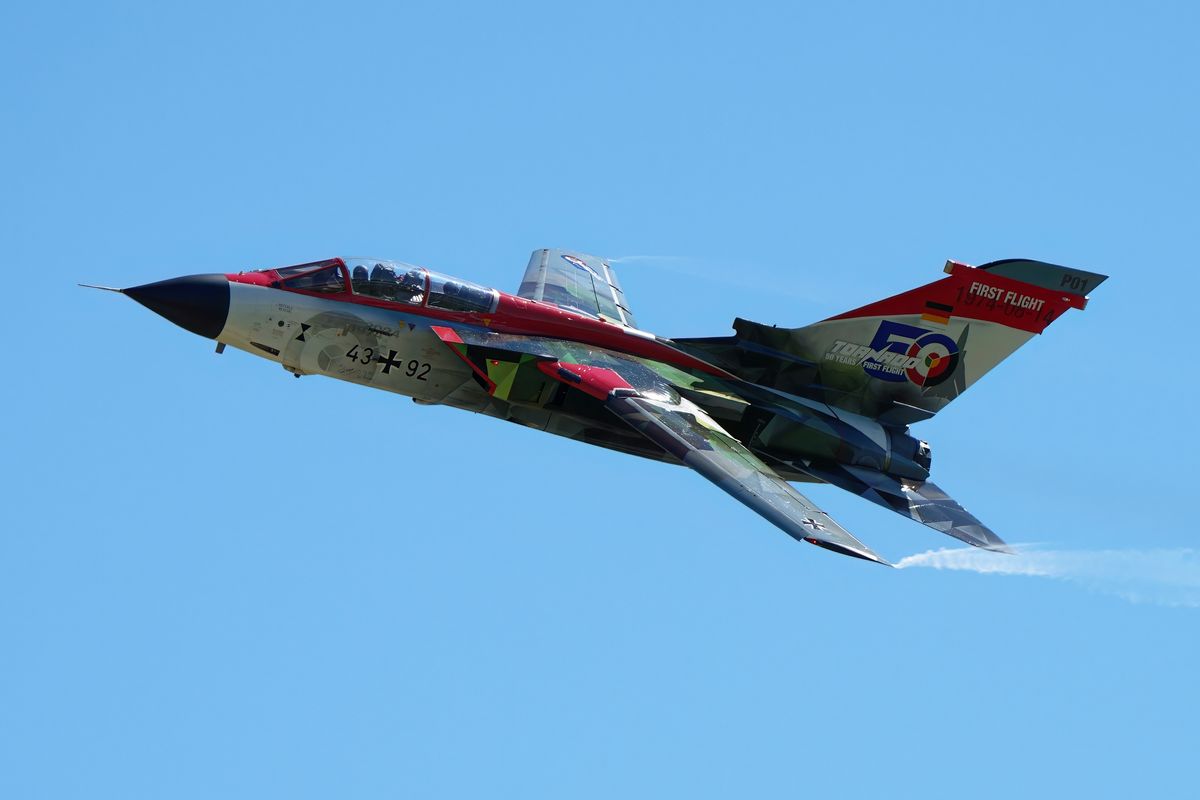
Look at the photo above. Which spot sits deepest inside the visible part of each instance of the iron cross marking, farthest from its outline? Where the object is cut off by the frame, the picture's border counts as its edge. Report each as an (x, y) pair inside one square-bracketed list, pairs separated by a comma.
[(812, 523), (389, 362)]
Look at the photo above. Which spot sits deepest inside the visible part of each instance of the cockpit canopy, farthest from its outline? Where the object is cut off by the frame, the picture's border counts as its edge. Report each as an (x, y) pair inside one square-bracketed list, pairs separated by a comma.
[(391, 281), (387, 280)]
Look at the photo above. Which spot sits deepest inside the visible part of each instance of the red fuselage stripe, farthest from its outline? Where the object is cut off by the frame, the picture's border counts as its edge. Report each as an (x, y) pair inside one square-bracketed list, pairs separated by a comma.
[(516, 315), (980, 295)]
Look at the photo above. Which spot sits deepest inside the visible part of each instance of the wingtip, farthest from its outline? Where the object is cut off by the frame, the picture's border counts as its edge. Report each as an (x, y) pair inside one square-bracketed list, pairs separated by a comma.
[(865, 554)]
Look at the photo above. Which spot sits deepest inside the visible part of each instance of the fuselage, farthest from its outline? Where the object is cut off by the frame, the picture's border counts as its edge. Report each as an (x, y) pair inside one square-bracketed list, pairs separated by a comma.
[(394, 326), (377, 323), (265, 298)]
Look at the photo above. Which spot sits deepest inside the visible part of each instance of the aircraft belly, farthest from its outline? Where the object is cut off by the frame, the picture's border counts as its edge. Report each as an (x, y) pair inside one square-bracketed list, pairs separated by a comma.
[(397, 352), (598, 432), (371, 346)]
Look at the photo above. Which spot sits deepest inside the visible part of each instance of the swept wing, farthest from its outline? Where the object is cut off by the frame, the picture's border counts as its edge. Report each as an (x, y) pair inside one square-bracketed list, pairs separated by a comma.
[(651, 406), (690, 435)]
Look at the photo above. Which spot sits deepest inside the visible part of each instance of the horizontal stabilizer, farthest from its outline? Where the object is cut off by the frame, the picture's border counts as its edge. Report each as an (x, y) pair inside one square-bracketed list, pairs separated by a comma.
[(924, 502)]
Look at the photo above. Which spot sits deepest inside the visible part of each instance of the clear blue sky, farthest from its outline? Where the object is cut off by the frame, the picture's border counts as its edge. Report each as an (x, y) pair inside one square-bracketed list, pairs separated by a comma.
[(218, 581)]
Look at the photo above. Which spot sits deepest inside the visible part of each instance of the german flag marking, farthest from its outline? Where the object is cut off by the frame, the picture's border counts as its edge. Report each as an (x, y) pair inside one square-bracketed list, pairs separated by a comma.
[(937, 313)]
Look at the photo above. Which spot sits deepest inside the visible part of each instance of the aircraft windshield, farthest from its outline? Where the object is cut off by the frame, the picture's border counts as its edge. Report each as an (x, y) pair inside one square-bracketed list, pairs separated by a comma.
[(327, 281), (320, 276)]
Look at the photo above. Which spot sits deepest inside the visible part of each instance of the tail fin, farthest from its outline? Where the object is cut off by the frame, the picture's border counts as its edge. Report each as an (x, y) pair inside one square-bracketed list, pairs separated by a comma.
[(903, 359)]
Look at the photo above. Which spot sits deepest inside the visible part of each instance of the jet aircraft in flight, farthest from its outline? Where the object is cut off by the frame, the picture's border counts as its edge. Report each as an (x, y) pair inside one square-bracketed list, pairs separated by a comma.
[(830, 402)]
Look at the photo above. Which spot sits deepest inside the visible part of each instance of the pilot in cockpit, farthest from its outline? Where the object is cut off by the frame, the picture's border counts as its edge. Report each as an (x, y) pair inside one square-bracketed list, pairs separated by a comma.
[(383, 281), (385, 284), (412, 285)]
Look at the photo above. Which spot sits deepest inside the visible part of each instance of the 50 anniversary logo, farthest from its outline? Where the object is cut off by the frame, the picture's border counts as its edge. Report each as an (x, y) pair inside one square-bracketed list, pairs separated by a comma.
[(901, 352)]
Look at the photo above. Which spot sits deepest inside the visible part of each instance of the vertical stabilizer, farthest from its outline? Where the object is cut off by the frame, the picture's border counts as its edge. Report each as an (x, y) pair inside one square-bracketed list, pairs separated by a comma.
[(904, 358)]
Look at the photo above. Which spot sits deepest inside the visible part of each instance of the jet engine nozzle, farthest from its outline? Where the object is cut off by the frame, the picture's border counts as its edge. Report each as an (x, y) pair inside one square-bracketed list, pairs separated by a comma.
[(909, 457), (196, 303)]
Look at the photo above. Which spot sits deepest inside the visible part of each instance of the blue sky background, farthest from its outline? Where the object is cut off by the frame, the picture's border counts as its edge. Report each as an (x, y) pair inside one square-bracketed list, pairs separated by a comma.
[(218, 581)]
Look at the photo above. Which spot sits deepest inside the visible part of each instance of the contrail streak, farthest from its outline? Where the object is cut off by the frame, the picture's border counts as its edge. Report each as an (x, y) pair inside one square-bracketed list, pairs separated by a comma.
[(1161, 577)]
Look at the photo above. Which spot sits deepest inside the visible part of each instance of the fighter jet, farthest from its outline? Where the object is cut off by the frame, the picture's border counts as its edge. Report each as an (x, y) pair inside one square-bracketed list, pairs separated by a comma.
[(830, 402)]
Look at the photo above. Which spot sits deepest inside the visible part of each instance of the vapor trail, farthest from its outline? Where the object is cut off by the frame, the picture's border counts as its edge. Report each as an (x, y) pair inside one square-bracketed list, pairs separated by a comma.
[(1161, 577)]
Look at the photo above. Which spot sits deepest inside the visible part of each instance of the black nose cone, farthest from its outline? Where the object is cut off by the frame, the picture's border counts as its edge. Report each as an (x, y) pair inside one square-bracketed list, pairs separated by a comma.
[(198, 303)]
